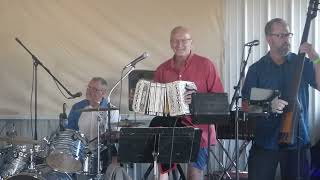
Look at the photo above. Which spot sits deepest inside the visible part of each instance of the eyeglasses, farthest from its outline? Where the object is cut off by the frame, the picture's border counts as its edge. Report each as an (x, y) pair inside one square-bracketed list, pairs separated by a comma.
[(283, 35), (183, 41), (95, 89)]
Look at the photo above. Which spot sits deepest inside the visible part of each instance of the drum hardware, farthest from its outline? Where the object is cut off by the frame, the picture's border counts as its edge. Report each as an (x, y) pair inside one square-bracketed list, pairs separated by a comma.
[(98, 109), (18, 155), (63, 118), (126, 123), (15, 160), (18, 140), (13, 132), (37, 149), (90, 163), (32, 164), (99, 168), (87, 163), (41, 172), (107, 137)]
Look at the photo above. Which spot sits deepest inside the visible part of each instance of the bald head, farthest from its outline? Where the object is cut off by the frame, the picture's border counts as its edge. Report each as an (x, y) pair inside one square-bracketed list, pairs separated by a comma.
[(181, 42), (180, 30)]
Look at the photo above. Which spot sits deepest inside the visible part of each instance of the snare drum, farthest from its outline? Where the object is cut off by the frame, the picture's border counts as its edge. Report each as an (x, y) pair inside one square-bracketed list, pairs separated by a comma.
[(67, 151)]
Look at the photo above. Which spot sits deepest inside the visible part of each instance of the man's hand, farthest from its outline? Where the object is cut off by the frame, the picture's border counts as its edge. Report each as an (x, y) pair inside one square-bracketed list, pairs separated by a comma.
[(190, 89), (277, 105), (309, 50)]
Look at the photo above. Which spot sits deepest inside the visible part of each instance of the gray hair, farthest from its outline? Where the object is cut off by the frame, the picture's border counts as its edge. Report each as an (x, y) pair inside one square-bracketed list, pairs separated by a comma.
[(268, 27), (101, 80)]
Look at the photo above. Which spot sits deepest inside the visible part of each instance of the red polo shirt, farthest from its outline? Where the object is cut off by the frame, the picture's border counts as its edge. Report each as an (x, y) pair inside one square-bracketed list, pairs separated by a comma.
[(202, 72)]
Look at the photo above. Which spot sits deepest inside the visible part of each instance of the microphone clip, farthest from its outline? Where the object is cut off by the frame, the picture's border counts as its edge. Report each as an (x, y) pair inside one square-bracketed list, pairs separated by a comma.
[(252, 43)]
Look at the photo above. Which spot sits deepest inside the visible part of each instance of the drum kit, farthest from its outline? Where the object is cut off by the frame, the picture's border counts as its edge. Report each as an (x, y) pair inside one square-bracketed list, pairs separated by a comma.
[(65, 155)]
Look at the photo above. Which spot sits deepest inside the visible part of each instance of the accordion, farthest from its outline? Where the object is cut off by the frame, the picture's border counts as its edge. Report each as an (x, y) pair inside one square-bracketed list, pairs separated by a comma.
[(161, 99)]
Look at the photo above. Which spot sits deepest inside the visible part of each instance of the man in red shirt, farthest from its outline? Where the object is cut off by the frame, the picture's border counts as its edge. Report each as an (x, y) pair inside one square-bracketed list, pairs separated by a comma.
[(188, 66)]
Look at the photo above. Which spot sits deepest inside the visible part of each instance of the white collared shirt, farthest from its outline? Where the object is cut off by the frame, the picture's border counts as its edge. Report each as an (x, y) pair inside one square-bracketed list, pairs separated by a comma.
[(88, 122)]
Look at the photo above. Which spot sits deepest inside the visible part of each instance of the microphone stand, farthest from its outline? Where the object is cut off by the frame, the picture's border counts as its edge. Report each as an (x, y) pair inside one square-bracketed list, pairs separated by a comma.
[(235, 100), (37, 62), (109, 108)]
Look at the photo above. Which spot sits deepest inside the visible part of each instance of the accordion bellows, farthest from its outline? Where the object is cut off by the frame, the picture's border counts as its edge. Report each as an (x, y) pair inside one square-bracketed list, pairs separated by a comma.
[(161, 98)]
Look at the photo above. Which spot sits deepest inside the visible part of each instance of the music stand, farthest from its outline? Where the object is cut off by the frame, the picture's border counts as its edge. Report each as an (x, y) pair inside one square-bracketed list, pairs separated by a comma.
[(246, 131), (209, 108), (159, 145)]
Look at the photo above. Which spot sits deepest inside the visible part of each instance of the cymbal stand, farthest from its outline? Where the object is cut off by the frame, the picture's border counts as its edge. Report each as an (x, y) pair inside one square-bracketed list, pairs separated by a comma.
[(32, 164), (99, 175)]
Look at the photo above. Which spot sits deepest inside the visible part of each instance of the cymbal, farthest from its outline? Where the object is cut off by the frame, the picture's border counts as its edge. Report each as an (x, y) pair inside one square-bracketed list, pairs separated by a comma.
[(18, 140), (98, 109)]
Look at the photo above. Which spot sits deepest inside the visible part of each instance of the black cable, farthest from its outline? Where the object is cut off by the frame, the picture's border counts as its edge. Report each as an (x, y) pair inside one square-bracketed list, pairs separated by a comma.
[(172, 140), (60, 89), (192, 145)]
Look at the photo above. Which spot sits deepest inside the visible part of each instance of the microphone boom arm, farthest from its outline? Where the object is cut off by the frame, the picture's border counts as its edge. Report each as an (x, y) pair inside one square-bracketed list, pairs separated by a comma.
[(117, 83), (36, 62)]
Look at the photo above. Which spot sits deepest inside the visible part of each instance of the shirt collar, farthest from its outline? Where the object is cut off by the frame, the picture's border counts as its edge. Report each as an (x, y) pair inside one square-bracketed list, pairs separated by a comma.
[(103, 103), (288, 58), (188, 61)]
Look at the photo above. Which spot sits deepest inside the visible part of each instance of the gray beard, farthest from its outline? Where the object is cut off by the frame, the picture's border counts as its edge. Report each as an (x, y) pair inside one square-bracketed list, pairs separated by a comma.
[(283, 51)]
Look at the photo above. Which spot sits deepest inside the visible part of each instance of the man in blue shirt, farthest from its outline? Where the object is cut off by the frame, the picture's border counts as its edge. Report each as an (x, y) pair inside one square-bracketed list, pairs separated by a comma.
[(86, 122), (274, 71)]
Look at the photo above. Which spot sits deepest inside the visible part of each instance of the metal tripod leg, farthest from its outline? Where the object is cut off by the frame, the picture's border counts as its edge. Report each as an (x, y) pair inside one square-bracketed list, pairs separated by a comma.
[(146, 174), (217, 159), (232, 163)]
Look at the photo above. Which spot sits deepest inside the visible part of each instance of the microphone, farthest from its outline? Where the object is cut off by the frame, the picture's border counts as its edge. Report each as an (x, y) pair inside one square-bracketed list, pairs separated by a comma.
[(78, 94), (252, 43), (138, 59)]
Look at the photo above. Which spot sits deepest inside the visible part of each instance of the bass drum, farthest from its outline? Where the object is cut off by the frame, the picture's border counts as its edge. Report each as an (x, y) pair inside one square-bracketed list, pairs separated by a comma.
[(42, 172)]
